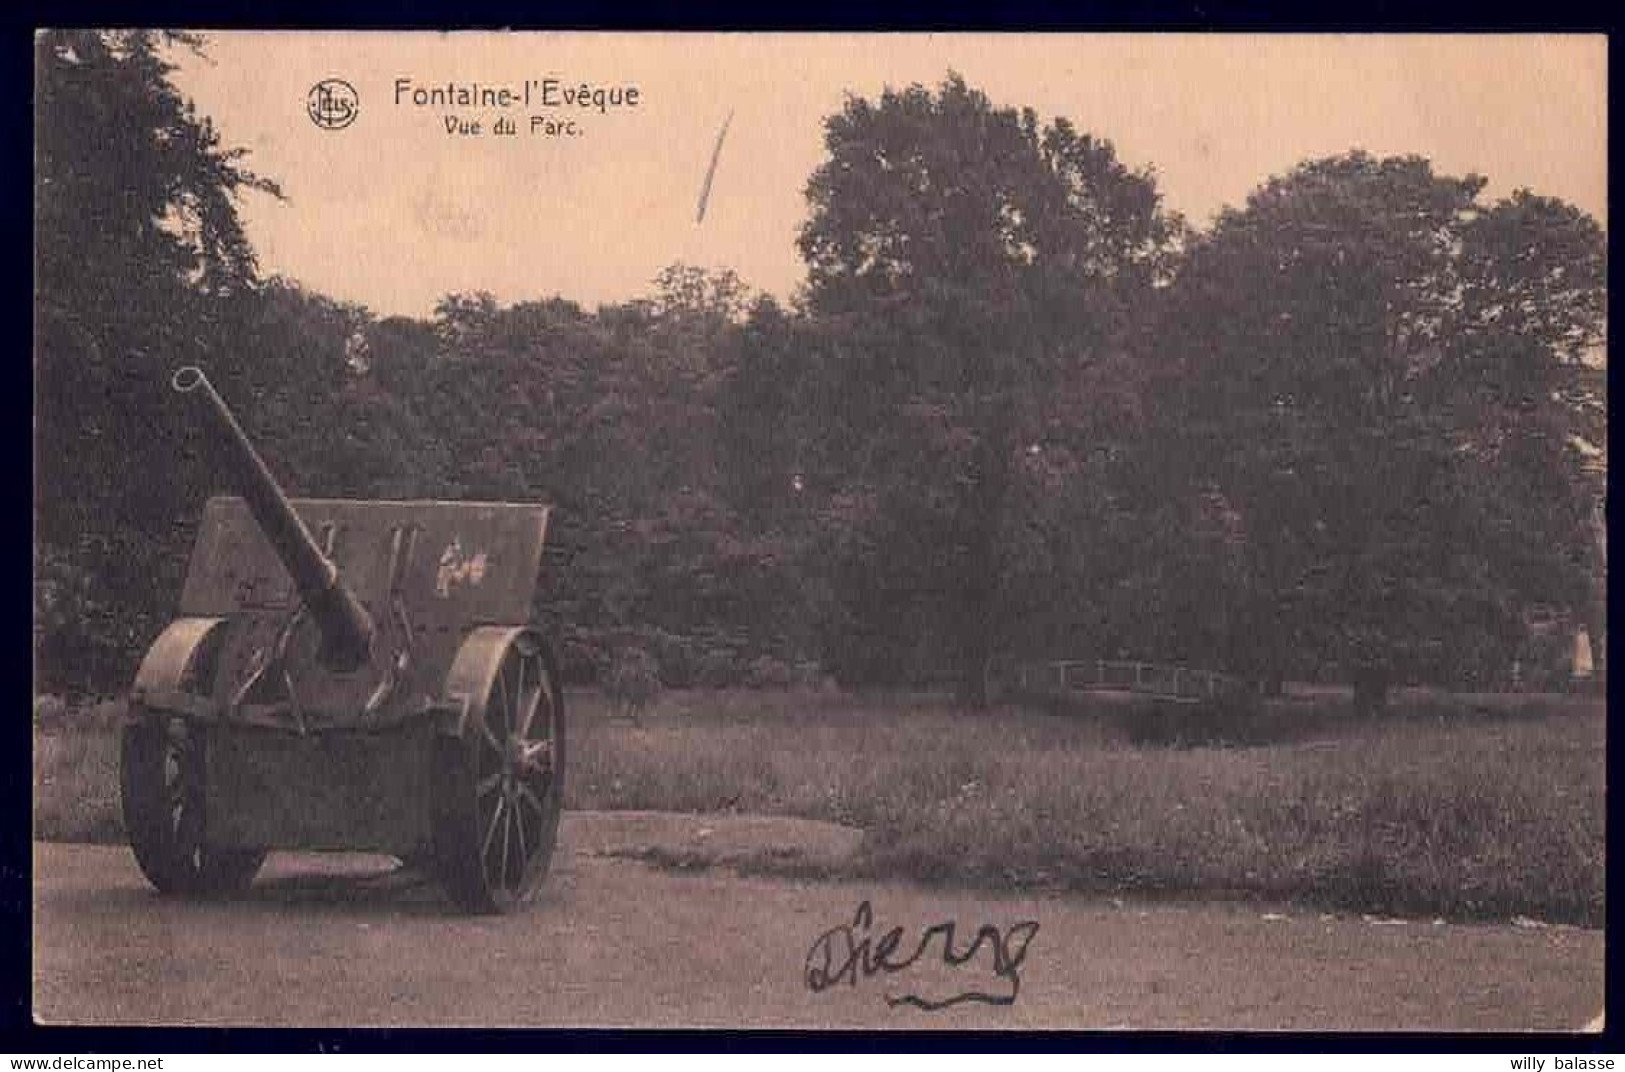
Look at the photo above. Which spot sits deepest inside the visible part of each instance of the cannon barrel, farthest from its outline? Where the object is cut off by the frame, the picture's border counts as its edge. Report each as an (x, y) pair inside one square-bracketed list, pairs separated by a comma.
[(346, 627)]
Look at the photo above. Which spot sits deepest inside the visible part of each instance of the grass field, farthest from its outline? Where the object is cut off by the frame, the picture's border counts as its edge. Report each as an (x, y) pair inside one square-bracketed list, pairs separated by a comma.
[(1465, 808)]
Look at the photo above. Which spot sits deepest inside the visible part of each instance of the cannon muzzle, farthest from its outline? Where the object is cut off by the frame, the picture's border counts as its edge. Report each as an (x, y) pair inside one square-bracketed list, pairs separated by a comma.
[(346, 627)]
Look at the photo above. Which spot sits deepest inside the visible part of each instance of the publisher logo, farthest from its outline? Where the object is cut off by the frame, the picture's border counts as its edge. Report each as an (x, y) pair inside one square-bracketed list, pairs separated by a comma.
[(332, 104)]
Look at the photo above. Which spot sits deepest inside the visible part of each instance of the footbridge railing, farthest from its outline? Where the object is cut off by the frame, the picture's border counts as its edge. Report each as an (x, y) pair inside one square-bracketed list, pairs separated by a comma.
[(1061, 677)]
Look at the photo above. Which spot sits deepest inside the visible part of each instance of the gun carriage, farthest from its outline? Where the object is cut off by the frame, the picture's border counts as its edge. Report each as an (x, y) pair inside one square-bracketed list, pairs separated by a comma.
[(347, 675)]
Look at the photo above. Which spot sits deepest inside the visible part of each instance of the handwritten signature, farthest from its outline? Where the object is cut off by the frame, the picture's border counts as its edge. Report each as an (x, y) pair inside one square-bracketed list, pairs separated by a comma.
[(845, 952)]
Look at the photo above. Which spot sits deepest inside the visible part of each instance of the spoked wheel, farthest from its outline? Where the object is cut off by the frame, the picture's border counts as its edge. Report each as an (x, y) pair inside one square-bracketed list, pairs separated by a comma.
[(161, 783), (500, 785)]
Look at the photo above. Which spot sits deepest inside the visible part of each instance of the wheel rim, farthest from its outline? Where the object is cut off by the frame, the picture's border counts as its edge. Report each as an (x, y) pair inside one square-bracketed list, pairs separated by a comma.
[(516, 785)]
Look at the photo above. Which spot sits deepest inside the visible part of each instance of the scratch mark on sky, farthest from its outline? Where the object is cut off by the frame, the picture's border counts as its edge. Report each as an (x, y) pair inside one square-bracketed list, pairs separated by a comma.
[(711, 172)]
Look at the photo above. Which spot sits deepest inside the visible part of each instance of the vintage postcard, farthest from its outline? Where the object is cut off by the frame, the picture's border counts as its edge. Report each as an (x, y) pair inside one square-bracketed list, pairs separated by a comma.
[(907, 531)]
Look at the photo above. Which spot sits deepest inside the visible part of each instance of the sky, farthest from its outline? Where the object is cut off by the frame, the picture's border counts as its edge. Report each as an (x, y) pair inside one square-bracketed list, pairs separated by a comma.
[(394, 212)]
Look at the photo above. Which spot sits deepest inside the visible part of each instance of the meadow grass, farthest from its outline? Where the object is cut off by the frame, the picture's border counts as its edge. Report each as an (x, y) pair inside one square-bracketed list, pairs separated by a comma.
[(76, 771), (1485, 808), (1466, 808)]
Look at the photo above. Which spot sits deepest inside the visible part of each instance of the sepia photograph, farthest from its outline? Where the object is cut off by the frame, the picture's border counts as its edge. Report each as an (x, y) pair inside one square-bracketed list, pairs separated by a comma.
[(824, 531)]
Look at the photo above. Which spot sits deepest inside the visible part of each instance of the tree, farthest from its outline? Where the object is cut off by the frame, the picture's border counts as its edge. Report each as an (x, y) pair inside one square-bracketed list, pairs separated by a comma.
[(977, 274), (613, 417), (141, 264), (1372, 367), (1534, 303)]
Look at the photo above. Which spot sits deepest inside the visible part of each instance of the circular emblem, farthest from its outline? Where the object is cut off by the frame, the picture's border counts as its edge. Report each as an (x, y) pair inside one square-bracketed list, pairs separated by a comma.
[(332, 104)]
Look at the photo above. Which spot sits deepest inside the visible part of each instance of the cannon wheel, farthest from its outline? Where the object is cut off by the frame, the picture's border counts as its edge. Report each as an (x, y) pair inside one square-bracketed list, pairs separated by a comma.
[(499, 781), (161, 778)]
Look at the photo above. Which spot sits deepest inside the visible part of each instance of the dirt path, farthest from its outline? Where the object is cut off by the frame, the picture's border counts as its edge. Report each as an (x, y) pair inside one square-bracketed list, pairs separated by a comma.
[(342, 941)]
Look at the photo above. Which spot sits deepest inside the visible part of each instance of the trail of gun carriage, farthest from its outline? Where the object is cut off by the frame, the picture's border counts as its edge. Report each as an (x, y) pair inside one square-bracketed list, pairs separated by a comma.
[(1045, 539)]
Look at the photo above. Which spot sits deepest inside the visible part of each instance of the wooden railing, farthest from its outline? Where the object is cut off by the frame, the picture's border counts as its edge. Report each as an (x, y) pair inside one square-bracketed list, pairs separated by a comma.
[(1116, 675)]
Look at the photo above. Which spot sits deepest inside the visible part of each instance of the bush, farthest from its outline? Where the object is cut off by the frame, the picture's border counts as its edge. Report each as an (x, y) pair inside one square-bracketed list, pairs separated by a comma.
[(634, 680), (676, 658), (581, 662), (718, 669), (53, 713), (49, 710), (1235, 718), (82, 639), (807, 675), (766, 672)]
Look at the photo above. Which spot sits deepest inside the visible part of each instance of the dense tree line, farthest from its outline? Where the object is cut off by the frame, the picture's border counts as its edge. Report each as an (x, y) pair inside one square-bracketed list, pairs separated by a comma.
[(1018, 409)]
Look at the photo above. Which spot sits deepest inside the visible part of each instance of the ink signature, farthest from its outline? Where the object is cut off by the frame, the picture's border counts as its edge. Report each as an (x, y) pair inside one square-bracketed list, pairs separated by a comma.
[(844, 952)]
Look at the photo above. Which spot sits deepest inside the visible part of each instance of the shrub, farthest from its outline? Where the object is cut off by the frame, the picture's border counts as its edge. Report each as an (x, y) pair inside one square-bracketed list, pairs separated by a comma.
[(767, 672), (676, 658), (633, 680), (807, 674), (49, 710), (718, 669), (83, 639), (1158, 721), (581, 662)]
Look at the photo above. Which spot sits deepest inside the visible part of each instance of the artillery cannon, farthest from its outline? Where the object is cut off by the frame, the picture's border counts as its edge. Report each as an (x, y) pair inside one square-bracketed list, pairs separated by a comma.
[(352, 676)]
